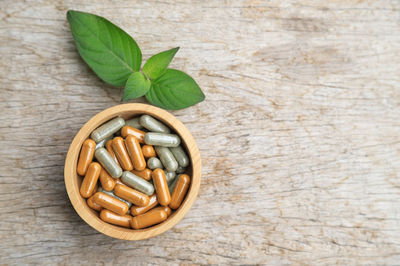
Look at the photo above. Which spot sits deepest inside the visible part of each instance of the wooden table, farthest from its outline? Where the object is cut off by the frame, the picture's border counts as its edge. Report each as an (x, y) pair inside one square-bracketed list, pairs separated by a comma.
[(299, 132)]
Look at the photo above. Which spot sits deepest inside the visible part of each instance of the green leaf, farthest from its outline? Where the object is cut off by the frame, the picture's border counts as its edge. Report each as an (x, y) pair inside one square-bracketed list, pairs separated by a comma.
[(174, 90), (136, 86), (157, 64), (109, 51)]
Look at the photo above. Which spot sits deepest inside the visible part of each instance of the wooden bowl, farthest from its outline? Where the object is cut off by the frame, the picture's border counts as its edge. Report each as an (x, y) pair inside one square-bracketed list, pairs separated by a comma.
[(73, 181)]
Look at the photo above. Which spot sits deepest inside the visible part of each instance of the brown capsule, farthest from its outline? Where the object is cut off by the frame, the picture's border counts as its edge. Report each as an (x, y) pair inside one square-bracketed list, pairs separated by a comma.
[(135, 152), (149, 218), (90, 180), (148, 151), (86, 156), (110, 203), (107, 182), (165, 208), (181, 187), (135, 210), (131, 195), (110, 150), (161, 186), (93, 205), (122, 154), (127, 130), (145, 174), (113, 218)]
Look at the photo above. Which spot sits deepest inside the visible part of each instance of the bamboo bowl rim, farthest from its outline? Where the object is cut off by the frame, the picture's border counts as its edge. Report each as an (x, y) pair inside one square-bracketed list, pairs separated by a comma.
[(72, 180)]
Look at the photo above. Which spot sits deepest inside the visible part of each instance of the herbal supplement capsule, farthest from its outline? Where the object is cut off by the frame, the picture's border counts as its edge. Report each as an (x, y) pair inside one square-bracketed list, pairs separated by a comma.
[(131, 195), (134, 122), (135, 210), (122, 154), (90, 180), (103, 142), (167, 159), (162, 139), (135, 152), (107, 182), (167, 209), (180, 156), (107, 129), (127, 130), (111, 151), (86, 156), (93, 205), (108, 162), (148, 219), (110, 203), (148, 151), (110, 193), (169, 176), (145, 174), (154, 163), (153, 125), (172, 184), (180, 190), (137, 183), (180, 170), (160, 183), (113, 218)]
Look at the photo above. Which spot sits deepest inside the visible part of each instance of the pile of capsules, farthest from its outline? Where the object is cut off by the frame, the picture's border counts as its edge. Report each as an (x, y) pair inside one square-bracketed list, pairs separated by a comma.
[(131, 187)]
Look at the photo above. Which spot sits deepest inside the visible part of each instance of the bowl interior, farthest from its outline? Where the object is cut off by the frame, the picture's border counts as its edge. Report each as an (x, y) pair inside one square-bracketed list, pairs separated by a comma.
[(73, 181)]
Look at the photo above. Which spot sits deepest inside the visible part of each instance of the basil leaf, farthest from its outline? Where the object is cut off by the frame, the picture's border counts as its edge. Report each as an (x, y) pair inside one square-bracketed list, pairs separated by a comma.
[(174, 90), (157, 64), (109, 51), (136, 86)]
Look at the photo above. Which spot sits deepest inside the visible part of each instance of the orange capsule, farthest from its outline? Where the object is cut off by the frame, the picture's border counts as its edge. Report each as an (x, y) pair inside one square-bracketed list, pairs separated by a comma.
[(135, 210), (179, 192), (148, 219), (110, 203), (113, 218), (110, 150), (131, 195), (122, 154), (161, 186), (167, 209), (93, 205), (107, 182), (90, 180), (127, 130), (135, 152), (86, 156), (145, 174), (148, 151)]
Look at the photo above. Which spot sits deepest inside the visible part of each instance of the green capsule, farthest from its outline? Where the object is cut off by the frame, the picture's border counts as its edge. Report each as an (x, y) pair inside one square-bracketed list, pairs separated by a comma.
[(170, 176), (180, 170), (167, 158), (137, 183), (154, 163), (153, 125), (103, 142), (180, 156), (100, 189), (108, 162), (107, 129), (162, 139), (134, 122), (172, 185)]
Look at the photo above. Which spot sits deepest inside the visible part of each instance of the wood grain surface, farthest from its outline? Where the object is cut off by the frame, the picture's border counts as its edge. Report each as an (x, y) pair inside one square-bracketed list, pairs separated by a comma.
[(299, 132)]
